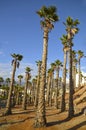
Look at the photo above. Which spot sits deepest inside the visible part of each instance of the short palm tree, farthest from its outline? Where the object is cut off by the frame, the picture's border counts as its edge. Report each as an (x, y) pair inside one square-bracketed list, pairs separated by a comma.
[(28, 76), (80, 55), (15, 63), (71, 28), (48, 16)]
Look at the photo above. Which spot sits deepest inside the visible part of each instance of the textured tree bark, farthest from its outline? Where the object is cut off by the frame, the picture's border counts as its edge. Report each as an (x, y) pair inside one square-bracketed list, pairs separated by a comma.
[(71, 106), (37, 87), (8, 105), (40, 120), (63, 105), (25, 93)]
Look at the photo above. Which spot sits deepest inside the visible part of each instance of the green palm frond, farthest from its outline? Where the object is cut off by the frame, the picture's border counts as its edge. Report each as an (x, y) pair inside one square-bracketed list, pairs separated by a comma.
[(17, 56), (38, 62), (69, 21), (80, 53), (58, 63), (12, 62), (48, 13), (76, 22), (53, 66), (28, 69)]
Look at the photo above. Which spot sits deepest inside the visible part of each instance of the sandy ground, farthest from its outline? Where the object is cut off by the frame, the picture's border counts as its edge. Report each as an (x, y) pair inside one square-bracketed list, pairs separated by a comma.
[(23, 120)]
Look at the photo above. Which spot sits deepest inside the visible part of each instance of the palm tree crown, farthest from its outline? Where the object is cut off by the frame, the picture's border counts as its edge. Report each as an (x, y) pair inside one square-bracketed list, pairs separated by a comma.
[(16, 58), (48, 16), (71, 27)]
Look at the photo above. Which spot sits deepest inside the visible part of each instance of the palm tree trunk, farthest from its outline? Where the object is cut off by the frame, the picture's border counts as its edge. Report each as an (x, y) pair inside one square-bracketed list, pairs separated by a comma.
[(37, 87), (63, 105), (73, 76), (56, 93), (51, 89), (17, 98), (8, 105), (25, 94), (71, 106), (79, 73), (40, 120), (48, 90)]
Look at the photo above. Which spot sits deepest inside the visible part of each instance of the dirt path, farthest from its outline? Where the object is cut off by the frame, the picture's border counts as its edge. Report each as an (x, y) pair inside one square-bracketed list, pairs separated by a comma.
[(23, 120)]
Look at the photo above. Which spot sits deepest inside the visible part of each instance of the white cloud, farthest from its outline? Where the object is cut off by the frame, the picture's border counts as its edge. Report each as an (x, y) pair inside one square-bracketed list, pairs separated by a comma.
[(6, 70)]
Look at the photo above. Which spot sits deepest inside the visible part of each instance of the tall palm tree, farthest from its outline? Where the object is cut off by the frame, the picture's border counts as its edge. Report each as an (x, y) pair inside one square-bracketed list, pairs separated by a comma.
[(71, 28), (38, 82), (27, 77), (58, 66), (80, 55), (48, 16), (64, 40), (15, 63)]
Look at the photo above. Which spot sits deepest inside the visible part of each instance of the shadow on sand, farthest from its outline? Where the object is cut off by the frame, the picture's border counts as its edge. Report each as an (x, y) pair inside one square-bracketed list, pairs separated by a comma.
[(58, 122), (78, 126)]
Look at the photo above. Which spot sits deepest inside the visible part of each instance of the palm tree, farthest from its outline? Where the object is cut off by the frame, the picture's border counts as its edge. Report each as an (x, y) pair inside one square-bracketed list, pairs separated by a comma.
[(53, 66), (18, 88), (75, 71), (48, 16), (34, 85), (74, 61), (80, 55), (64, 40), (1, 81), (28, 76), (20, 77), (71, 28), (7, 81), (15, 64), (38, 82), (58, 66), (48, 94)]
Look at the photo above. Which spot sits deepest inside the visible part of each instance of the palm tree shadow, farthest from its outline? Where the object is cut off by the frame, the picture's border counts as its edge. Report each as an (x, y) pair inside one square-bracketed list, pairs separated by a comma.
[(78, 126), (68, 119), (18, 112), (22, 112), (14, 122), (58, 122)]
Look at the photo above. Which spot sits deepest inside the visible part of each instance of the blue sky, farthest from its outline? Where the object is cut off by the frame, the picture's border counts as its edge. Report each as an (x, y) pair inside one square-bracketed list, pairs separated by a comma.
[(20, 32)]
